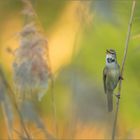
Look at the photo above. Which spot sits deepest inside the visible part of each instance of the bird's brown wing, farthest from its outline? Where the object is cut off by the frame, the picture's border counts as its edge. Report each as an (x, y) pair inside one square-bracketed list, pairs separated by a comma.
[(104, 78)]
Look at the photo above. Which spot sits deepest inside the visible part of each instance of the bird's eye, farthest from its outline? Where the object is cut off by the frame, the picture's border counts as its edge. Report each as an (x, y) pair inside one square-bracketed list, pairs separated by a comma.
[(108, 60), (112, 60)]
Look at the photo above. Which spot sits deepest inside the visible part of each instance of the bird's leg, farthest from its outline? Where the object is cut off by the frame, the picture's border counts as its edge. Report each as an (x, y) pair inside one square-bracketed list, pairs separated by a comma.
[(121, 78), (118, 95)]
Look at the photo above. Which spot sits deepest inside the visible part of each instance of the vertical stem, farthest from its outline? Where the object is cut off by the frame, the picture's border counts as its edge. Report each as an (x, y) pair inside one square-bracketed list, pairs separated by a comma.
[(54, 106), (10, 135), (74, 85), (52, 93), (122, 69), (12, 97)]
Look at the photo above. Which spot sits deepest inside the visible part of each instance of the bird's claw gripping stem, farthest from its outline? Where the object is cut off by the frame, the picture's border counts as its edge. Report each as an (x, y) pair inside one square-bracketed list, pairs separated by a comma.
[(118, 96), (121, 78)]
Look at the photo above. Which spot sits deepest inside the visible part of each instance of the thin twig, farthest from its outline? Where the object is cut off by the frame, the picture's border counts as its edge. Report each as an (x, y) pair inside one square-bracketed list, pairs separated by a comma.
[(10, 134), (122, 69), (52, 94), (12, 97), (54, 106), (74, 83)]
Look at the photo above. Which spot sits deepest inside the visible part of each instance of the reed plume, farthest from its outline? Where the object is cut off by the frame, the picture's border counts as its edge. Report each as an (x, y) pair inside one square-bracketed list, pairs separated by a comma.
[(30, 69)]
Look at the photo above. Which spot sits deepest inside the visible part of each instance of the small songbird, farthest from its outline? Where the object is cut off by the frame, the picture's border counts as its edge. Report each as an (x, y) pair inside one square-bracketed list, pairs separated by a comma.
[(111, 76)]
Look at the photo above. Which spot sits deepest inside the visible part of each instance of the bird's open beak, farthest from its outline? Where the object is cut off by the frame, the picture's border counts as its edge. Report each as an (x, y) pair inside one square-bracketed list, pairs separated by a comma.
[(107, 51)]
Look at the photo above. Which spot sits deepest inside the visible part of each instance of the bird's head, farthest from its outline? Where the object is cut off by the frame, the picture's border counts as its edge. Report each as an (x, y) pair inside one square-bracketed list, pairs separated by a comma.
[(111, 56)]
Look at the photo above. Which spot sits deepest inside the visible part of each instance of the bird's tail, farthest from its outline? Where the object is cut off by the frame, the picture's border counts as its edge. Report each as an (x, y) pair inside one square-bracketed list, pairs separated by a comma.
[(110, 101)]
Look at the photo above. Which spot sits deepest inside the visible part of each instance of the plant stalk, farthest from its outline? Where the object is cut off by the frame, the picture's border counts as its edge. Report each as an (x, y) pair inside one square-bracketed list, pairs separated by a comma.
[(122, 69)]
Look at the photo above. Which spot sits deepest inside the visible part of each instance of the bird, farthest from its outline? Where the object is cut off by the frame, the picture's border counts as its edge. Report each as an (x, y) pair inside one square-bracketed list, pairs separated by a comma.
[(111, 76)]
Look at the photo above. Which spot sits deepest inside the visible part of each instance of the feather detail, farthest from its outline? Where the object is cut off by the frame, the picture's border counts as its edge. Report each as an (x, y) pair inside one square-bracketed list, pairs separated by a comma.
[(110, 101)]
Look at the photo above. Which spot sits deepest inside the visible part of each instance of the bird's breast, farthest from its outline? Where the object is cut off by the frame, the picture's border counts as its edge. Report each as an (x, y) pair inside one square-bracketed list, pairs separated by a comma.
[(114, 73), (112, 78)]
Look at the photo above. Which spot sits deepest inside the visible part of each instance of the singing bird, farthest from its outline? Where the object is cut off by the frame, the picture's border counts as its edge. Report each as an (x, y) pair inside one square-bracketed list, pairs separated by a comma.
[(111, 76)]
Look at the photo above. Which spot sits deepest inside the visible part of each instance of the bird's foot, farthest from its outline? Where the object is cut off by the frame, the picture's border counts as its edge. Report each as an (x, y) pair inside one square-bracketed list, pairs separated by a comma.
[(121, 78), (118, 96)]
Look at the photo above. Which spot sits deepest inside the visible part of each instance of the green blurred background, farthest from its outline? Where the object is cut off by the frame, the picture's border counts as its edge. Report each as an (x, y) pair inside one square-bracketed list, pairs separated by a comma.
[(78, 33)]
